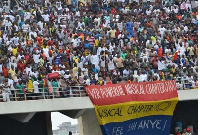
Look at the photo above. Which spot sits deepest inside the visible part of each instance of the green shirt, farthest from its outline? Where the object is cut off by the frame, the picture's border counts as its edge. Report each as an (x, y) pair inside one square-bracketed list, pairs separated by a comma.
[(123, 55), (20, 87), (54, 85), (84, 20)]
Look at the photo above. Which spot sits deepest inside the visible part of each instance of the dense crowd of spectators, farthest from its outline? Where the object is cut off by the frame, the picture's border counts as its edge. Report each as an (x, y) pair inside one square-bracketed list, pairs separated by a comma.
[(97, 42)]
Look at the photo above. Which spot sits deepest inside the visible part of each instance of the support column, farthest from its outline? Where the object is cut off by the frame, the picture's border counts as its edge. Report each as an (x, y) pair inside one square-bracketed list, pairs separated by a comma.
[(49, 124), (88, 124)]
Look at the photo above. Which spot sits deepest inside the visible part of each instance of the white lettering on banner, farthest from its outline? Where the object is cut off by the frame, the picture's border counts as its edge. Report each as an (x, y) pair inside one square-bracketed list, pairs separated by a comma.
[(112, 91), (170, 85), (142, 89), (164, 125), (134, 89), (165, 87), (153, 123), (147, 124), (95, 93), (117, 131), (132, 126), (158, 123), (140, 125)]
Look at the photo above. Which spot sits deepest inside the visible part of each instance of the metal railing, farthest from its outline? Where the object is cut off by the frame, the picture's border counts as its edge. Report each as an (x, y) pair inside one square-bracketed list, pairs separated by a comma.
[(44, 93)]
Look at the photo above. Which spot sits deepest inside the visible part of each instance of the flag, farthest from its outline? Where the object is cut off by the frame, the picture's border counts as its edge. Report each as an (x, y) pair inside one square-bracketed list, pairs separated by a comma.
[(174, 57)]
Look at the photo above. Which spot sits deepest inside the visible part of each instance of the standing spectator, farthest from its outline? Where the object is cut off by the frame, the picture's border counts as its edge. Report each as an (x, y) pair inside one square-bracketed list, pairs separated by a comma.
[(6, 91), (36, 89)]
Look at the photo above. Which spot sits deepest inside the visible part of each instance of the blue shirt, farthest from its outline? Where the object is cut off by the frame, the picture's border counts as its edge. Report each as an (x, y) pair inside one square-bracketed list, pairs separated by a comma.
[(20, 24), (87, 45), (95, 70), (98, 35)]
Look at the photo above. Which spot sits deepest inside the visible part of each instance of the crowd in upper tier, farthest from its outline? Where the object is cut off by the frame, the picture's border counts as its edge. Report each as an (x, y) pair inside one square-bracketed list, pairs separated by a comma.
[(97, 42)]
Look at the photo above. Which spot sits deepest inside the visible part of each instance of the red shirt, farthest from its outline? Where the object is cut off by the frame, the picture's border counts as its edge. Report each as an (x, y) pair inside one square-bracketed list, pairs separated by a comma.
[(50, 42), (39, 40), (112, 11), (21, 66), (117, 33), (26, 57), (5, 71), (160, 52), (109, 82)]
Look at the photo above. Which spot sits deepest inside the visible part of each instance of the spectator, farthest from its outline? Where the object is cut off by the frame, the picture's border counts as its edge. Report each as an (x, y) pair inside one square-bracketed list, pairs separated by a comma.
[(36, 89), (5, 90)]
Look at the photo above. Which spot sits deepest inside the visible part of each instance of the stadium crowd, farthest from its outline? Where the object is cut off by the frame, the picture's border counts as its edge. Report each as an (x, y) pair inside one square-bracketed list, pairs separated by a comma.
[(96, 43)]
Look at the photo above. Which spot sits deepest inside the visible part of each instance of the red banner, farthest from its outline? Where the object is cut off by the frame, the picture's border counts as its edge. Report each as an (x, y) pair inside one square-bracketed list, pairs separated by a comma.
[(121, 93)]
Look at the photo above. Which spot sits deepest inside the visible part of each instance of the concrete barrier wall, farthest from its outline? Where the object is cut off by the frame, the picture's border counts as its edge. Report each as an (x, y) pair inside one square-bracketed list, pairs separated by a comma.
[(73, 103)]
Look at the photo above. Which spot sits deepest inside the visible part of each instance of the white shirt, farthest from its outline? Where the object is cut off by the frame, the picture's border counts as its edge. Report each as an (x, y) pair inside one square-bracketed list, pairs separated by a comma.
[(80, 65), (46, 17), (87, 82), (1, 68), (135, 76), (34, 74), (32, 33), (142, 77), (15, 40), (162, 30), (46, 52), (11, 82), (85, 71), (111, 65), (27, 70), (67, 76), (26, 27), (98, 20), (27, 16), (36, 58), (94, 59), (175, 10), (81, 24), (103, 63), (126, 73), (40, 24), (161, 65), (182, 50), (148, 12), (99, 50), (75, 42), (35, 87)]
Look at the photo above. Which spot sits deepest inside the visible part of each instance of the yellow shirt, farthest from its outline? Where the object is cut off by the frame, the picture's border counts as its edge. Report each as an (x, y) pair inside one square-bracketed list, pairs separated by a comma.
[(173, 70), (75, 59), (30, 86), (11, 72), (14, 51), (75, 70), (96, 42), (153, 38)]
